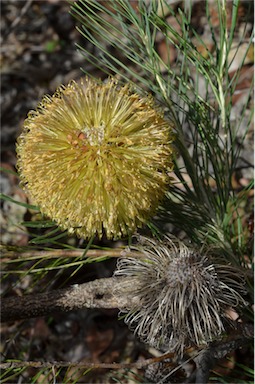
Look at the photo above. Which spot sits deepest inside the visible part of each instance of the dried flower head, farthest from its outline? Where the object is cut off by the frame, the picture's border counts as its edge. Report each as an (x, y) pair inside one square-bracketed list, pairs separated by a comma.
[(178, 297), (95, 157)]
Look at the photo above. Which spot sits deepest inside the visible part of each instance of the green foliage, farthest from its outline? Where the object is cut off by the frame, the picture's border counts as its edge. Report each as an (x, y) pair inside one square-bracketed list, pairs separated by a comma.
[(196, 93)]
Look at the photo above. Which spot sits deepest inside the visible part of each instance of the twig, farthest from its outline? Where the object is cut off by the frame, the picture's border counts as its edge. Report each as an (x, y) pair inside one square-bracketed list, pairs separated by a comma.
[(94, 294), (16, 256), (17, 20), (62, 364), (205, 359), (9, 256)]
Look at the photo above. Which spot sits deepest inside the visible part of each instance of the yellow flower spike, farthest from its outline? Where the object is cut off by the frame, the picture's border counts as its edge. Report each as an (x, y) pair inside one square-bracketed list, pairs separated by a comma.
[(95, 157)]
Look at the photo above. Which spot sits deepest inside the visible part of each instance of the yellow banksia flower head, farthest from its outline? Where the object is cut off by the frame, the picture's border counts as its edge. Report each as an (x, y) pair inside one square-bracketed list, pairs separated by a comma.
[(177, 296), (95, 157)]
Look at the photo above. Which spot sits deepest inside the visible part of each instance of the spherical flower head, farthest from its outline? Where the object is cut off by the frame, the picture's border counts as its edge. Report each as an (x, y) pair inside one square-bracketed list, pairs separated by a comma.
[(95, 157), (178, 297)]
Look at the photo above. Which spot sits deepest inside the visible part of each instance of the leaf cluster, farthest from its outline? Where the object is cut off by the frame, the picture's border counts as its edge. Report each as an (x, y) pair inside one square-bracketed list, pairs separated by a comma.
[(196, 92)]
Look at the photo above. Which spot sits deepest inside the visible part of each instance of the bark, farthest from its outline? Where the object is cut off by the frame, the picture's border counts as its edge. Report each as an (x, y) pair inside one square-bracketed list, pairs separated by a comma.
[(207, 358), (95, 294)]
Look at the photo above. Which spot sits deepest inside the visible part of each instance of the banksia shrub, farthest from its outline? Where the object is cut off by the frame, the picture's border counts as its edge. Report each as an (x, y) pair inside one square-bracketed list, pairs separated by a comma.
[(178, 297), (95, 157)]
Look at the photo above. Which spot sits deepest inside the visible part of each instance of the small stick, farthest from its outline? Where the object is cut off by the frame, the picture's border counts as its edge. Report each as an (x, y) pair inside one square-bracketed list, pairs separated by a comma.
[(60, 364)]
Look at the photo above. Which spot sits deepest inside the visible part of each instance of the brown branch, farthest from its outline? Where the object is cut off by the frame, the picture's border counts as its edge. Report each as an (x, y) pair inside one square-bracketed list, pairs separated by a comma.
[(94, 294), (16, 256), (10, 256), (61, 364)]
